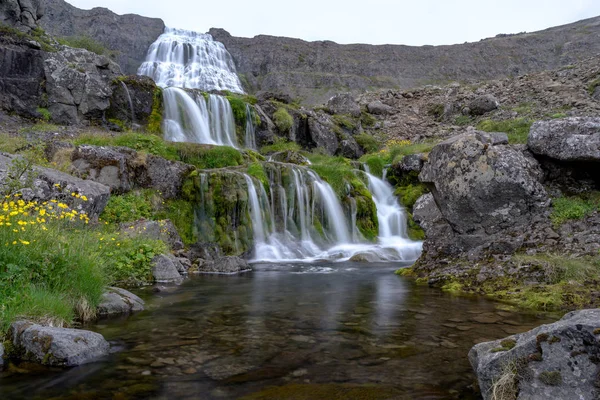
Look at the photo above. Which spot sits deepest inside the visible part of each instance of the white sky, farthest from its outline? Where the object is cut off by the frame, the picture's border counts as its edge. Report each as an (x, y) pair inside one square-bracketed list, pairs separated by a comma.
[(414, 22)]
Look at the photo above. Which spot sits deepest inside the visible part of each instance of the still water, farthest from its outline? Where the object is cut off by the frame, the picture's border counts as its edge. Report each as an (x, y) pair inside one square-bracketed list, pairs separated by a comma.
[(286, 331)]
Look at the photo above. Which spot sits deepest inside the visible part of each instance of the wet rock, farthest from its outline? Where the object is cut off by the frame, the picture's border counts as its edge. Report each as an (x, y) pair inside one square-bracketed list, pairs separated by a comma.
[(157, 230), (226, 368), (483, 104), (52, 184), (365, 257), (489, 195), (568, 139), (225, 265), (343, 103), (141, 90), (412, 162), (265, 132), (118, 301), (379, 108), (555, 361), (291, 157), (165, 269), (58, 347)]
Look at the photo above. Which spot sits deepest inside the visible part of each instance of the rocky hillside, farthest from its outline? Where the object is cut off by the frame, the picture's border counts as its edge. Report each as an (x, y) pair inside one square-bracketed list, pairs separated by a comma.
[(129, 35), (314, 71)]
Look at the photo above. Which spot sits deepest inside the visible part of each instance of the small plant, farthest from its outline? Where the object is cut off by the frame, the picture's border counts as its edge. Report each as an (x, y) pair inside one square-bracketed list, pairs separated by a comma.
[(573, 208), (463, 120), (84, 42), (517, 129), (283, 120), (551, 378), (45, 115), (368, 142), (129, 207), (344, 121)]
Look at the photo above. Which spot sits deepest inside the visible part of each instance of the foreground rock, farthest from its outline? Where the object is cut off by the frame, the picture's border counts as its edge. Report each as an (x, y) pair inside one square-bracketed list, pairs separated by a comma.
[(556, 361), (57, 347), (119, 301), (488, 194), (568, 139), (225, 265), (167, 269)]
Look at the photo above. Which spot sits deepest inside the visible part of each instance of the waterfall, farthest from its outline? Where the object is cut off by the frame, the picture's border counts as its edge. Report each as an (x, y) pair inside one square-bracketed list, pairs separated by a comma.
[(186, 59), (181, 59), (250, 131), (191, 118), (130, 103)]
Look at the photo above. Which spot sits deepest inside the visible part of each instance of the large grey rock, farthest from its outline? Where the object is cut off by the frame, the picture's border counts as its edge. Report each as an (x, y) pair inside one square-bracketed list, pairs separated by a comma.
[(21, 14), (439, 233), (483, 104), (129, 35), (349, 148), (555, 361), (165, 269), (412, 163), (379, 108), (78, 84), (290, 157), (225, 265), (568, 139), (488, 194), (116, 301), (50, 184), (343, 103), (157, 230), (321, 133), (59, 347)]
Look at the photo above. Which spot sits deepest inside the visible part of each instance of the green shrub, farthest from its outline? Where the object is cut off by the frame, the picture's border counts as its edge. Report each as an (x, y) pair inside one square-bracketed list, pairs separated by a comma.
[(280, 144), (283, 120), (130, 259), (367, 119), (344, 121), (83, 42), (130, 206), (463, 120), (517, 129), (45, 115), (368, 142), (567, 208)]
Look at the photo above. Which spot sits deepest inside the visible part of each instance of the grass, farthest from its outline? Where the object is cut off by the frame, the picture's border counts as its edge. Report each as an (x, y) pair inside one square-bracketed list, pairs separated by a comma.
[(368, 142), (463, 120), (517, 129), (344, 121), (283, 120), (574, 207), (37, 35), (280, 144), (256, 170), (84, 42), (409, 193), (375, 163), (130, 206)]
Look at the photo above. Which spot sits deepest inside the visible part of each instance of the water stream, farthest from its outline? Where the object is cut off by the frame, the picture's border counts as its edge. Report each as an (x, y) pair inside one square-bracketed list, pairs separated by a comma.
[(307, 331)]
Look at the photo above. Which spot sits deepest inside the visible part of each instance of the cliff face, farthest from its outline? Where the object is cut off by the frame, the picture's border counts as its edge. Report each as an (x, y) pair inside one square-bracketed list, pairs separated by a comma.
[(314, 71), (130, 35)]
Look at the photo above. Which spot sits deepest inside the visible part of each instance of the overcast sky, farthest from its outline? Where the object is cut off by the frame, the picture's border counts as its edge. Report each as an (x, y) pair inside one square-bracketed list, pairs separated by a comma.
[(414, 22)]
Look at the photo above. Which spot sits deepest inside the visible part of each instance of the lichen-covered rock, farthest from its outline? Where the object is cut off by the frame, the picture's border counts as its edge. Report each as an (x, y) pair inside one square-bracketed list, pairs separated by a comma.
[(290, 157), (412, 163), (379, 108), (50, 184), (569, 139), (116, 301), (59, 347), (157, 230), (488, 194), (225, 265), (21, 14), (321, 133), (555, 361), (343, 103), (165, 269), (78, 84), (483, 104), (439, 233)]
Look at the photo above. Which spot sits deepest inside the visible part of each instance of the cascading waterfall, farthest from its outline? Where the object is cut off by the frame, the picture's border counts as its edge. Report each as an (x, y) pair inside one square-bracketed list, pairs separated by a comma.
[(303, 220), (181, 59), (250, 130)]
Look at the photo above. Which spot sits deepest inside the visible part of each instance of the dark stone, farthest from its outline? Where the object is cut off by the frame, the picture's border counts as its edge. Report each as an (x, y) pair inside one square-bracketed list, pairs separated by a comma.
[(343, 103), (564, 365), (379, 108), (165, 269), (350, 149), (117, 301), (412, 163), (141, 91), (58, 347), (573, 139), (21, 14), (225, 265), (290, 157), (483, 104)]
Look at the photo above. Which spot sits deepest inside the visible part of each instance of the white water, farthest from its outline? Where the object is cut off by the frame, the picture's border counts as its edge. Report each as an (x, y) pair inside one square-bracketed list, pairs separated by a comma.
[(284, 221), (189, 117), (186, 59), (250, 129)]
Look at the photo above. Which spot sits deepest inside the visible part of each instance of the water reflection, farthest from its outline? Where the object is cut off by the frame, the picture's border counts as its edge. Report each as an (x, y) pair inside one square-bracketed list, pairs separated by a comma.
[(318, 331)]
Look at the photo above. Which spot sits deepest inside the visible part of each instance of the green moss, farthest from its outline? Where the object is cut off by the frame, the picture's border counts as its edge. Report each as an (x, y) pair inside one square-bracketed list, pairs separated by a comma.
[(345, 121), (209, 157), (574, 207), (45, 115), (453, 287), (280, 144), (181, 214), (414, 231), (130, 206), (463, 120), (375, 163), (367, 119), (407, 272), (395, 152), (155, 120), (551, 378), (256, 170), (118, 123), (410, 193), (517, 129), (283, 120), (368, 142), (238, 106)]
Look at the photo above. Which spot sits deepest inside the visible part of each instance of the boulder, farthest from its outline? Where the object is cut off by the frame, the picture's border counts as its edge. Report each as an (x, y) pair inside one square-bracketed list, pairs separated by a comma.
[(21, 14), (163, 175), (555, 361), (50, 184), (569, 139), (133, 99), (117, 301), (349, 148), (157, 230), (412, 163), (290, 157), (343, 103), (488, 194), (78, 84), (321, 133), (365, 257), (483, 104), (225, 265), (265, 132), (439, 233), (379, 108), (57, 347), (165, 269)]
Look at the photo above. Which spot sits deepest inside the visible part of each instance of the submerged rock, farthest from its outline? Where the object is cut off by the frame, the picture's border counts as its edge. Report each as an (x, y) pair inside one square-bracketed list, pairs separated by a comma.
[(225, 265), (568, 139), (365, 257), (555, 361), (58, 347), (165, 269), (118, 301)]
